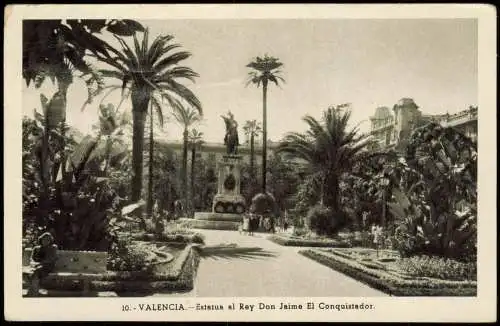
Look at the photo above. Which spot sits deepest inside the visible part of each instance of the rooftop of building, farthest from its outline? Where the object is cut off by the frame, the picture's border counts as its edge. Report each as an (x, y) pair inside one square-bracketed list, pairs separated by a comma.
[(381, 113), (406, 102)]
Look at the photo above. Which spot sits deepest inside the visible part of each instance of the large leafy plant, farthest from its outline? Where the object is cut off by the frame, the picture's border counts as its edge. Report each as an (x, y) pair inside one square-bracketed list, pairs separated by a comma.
[(437, 213), (68, 194)]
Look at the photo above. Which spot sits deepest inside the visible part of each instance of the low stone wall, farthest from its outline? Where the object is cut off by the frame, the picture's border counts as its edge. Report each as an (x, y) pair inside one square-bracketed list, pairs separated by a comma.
[(213, 225), (75, 261), (218, 216)]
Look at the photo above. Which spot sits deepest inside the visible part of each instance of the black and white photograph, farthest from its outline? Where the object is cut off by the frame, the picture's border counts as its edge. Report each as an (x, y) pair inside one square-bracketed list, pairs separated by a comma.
[(164, 160)]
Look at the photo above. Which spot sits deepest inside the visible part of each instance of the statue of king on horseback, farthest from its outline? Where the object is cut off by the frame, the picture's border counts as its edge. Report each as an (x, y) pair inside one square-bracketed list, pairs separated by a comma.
[(231, 138)]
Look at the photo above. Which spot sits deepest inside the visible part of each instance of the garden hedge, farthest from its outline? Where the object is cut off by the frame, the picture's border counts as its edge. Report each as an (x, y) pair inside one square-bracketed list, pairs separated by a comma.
[(390, 283)]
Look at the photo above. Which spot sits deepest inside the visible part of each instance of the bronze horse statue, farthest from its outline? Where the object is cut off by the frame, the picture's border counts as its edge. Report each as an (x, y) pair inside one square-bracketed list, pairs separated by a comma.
[(231, 138)]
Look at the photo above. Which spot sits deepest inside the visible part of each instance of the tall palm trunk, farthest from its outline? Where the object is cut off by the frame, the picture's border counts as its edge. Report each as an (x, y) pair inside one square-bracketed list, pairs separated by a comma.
[(109, 144), (252, 154), (193, 158), (184, 167), (150, 167), (332, 192), (264, 135), (44, 173), (139, 107), (64, 79)]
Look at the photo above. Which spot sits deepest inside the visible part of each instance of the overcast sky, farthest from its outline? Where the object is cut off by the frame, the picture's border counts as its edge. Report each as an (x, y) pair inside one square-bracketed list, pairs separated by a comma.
[(368, 63)]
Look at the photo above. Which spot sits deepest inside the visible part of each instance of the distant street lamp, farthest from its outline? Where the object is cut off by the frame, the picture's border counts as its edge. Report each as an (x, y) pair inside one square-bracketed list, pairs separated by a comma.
[(384, 182), (377, 237)]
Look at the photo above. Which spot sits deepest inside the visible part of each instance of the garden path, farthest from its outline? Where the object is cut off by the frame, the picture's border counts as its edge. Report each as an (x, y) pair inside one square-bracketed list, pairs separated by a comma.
[(281, 272)]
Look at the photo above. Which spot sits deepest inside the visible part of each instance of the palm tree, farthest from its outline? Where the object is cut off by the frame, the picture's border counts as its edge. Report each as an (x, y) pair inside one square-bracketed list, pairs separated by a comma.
[(264, 70), (55, 49), (186, 117), (195, 140), (329, 148), (151, 73), (252, 128)]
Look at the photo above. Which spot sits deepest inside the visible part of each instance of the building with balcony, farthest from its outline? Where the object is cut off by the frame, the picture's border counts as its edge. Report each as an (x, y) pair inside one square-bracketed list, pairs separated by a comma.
[(393, 129)]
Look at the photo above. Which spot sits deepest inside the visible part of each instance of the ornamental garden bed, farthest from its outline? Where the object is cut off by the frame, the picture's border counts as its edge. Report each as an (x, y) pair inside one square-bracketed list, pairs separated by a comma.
[(173, 271), (298, 241), (170, 237), (416, 276)]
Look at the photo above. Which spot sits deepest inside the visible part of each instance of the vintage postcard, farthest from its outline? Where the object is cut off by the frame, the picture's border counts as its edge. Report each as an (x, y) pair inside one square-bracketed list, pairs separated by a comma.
[(250, 163)]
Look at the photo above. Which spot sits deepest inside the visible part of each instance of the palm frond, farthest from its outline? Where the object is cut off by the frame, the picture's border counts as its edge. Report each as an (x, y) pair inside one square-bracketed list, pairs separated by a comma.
[(183, 92), (171, 60), (157, 106), (232, 251), (131, 60), (159, 47), (185, 115), (178, 72)]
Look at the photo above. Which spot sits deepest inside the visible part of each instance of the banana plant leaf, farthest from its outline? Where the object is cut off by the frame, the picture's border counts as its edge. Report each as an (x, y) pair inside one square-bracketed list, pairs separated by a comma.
[(132, 207)]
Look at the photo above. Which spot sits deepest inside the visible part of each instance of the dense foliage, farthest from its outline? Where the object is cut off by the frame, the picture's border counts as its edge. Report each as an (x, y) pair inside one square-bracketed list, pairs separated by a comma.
[(438, 215), (68, 195), (330, 150)]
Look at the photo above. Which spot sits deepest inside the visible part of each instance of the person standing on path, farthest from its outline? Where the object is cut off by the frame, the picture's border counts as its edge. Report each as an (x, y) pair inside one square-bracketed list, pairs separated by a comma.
[(246, 225)]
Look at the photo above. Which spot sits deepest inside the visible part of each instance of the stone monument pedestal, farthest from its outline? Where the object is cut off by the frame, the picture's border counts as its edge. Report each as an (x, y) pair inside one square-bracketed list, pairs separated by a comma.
[(228, 205)]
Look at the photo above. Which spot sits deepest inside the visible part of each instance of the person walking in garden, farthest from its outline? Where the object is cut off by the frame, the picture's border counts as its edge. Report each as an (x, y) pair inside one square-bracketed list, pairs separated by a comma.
[(285, 224), (246, 224), (252, 224), (43, 261)]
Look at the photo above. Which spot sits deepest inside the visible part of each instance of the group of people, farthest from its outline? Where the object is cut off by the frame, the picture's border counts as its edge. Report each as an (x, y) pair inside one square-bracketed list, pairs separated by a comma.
[(253, 222)]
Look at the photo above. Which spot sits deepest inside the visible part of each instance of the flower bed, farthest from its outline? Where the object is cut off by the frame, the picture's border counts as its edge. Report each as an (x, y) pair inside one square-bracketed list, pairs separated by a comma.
[(174, 275), (173, 237), (387, 275), (295, 241), (178, 277)]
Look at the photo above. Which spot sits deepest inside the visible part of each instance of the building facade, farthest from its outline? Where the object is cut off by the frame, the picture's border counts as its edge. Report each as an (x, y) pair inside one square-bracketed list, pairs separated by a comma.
[(393, 129), (213, 152)]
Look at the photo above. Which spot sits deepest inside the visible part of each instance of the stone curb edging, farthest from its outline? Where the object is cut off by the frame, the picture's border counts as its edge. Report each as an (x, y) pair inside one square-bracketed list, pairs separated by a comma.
[(398, 287)]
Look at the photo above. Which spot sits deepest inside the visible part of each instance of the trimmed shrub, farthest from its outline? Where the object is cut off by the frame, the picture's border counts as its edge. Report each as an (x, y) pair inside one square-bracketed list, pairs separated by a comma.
[(340, 220), (125, 256), (264, 204), (319, 218), (299, 232)]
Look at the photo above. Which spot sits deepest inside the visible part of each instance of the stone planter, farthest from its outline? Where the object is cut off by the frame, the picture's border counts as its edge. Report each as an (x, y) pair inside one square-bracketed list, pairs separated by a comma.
[(75, 261)]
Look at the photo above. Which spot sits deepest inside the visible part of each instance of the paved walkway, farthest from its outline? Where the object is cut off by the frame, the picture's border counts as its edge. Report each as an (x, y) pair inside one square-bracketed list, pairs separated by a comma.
[(281, 273)]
